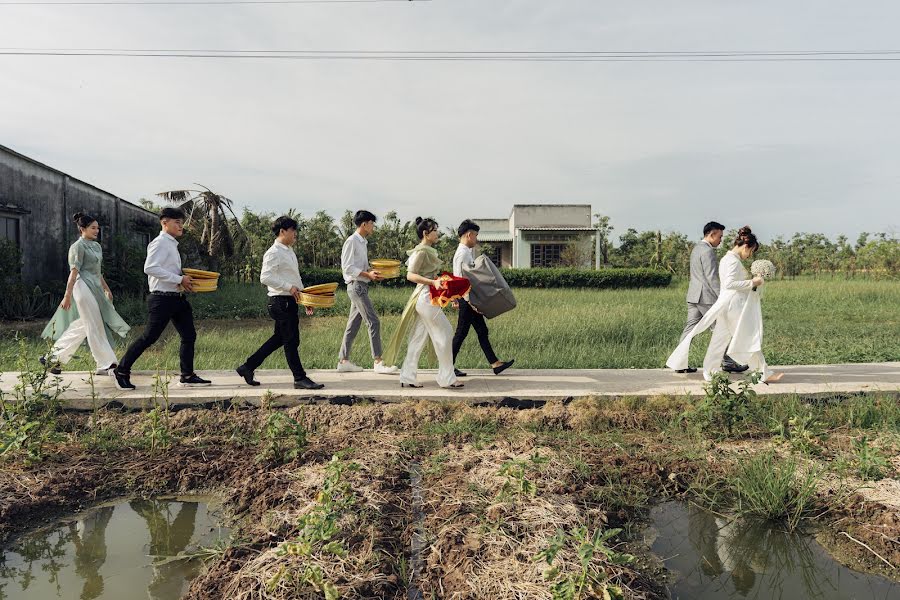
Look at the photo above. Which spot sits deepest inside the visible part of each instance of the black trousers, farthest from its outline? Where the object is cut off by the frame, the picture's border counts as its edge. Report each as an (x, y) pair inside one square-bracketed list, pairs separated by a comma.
[(469, 318), (283, 309), (163, 309)]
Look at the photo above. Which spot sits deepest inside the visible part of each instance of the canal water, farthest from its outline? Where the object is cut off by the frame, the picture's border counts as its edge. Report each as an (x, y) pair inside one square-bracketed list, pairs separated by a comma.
[(713, 558), (113, 552)]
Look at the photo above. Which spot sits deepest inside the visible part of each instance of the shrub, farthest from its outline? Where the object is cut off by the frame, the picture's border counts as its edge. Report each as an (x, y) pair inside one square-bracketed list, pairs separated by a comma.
[(775, 489), (534, 278), (583, 278)]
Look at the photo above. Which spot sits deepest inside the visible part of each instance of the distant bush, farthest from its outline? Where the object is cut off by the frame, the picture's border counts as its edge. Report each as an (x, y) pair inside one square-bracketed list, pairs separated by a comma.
[(583, 278), (535, 278)]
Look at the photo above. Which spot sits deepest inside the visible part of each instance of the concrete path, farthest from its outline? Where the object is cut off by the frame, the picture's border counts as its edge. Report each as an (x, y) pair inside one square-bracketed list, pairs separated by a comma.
[(516, 387)]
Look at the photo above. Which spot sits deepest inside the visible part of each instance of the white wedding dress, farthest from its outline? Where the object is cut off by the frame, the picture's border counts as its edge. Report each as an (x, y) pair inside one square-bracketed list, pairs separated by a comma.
[(737, 315)]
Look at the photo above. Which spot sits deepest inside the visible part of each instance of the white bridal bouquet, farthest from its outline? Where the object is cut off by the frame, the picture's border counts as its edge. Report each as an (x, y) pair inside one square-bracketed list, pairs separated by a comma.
[(762, 268)]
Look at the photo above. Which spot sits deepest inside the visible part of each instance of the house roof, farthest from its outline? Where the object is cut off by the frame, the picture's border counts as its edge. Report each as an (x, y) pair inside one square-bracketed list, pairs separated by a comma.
[(58, 172), (494, 236), (555, 228)]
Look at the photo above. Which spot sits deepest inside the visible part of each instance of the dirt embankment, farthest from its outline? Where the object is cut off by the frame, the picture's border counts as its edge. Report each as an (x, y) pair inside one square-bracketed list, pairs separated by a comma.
[(496, 487)]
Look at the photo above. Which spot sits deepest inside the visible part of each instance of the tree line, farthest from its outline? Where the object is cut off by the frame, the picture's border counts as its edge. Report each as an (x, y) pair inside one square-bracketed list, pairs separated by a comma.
[(234, 245)]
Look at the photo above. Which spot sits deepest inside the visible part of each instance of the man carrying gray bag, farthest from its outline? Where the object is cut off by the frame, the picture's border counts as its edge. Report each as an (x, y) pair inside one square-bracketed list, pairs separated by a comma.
[(490, 294)]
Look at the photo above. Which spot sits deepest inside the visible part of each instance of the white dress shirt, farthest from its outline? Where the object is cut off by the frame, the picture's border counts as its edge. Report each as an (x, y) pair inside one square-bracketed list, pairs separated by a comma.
[(280, 271), (463, 256), (163, 264), (355, 258)]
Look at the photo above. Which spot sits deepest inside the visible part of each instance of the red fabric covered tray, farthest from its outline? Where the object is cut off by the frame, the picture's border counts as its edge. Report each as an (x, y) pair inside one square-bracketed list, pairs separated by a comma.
[(454, 288)]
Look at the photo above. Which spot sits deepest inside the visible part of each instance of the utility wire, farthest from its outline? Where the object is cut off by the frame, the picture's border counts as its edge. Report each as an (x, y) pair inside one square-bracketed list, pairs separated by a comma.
[(502, 53), (193, 2), (492, 56)]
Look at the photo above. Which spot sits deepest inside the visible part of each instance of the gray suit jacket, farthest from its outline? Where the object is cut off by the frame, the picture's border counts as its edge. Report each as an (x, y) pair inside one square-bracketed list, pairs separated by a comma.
[(704, 285)]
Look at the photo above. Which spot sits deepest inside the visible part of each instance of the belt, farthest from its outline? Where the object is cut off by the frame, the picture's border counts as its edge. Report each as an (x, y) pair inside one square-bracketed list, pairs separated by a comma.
[(173, 294)]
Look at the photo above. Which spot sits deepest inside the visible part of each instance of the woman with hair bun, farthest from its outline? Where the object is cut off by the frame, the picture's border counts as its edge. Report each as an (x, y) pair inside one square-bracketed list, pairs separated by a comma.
[(737, 316), (91, 316), (421, 318)]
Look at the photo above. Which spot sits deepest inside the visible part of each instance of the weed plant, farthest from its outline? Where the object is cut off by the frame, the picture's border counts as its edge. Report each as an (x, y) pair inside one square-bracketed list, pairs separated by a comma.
[(776, 489), (590, 580)]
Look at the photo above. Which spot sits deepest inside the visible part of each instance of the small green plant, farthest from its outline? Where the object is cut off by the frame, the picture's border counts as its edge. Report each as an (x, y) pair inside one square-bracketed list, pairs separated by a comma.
[(773, 488), (516, 472), (871, 463), (28, 415), (156, 429), (803, 431), (725, 405), (283, 439), (320, 530), (590, 580)]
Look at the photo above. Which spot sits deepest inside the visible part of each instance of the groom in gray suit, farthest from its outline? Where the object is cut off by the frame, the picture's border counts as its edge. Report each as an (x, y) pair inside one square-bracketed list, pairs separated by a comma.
[(703, 289)]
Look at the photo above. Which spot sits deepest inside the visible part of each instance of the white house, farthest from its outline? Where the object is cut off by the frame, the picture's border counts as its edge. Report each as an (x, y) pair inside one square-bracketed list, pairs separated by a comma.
[(536, 235)]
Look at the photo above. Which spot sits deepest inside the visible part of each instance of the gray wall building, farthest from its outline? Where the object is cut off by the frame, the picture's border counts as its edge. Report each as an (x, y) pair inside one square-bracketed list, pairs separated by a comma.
[(36, 207), (537, 235)]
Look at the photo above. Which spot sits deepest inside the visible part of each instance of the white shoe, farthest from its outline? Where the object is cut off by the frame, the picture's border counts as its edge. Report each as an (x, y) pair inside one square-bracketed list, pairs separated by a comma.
[(345, 366), (382, 369)]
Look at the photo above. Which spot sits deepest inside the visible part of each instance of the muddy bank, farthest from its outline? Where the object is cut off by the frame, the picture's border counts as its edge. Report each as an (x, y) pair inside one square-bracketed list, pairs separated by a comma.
[(322, 498)]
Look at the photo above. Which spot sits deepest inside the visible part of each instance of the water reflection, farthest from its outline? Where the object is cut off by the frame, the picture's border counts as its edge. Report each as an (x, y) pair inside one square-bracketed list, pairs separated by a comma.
[(112, 552), (716, 558)]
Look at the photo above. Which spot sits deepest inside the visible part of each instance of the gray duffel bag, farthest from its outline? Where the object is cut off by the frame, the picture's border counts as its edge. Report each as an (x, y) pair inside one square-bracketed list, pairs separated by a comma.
[(490, 293)]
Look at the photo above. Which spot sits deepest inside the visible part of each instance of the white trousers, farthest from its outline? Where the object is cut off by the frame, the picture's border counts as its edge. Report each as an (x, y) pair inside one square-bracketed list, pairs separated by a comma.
[(88, 325), (718, 346), (431, 323)]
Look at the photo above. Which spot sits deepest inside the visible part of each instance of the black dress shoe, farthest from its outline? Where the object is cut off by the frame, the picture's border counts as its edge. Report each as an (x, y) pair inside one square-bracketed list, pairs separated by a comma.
[(503, 367), (192, 381), (459, 373), (55, 367), (735, 368), (247, 374), (123, 380), (307, 384), (688, 370)]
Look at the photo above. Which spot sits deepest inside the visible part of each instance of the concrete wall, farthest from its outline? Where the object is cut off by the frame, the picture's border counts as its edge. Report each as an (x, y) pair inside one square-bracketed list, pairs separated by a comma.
[(493, 225), (549, 215), (45, 199)]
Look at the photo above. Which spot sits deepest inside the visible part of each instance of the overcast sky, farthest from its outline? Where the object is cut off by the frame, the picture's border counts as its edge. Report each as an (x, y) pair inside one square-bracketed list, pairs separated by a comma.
[(781, 146)]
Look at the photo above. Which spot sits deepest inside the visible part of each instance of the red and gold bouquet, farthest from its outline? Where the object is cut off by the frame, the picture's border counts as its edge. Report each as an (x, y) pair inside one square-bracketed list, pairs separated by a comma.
[(454, 288)]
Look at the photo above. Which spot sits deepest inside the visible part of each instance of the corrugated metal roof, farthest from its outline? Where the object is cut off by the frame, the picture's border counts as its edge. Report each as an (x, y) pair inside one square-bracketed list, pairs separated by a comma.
[(494, 237), (81, 181), (555, 228)]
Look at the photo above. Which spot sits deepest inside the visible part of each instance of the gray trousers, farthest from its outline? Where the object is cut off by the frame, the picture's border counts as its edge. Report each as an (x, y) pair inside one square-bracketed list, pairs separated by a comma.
[(361, 310), (695, 313)]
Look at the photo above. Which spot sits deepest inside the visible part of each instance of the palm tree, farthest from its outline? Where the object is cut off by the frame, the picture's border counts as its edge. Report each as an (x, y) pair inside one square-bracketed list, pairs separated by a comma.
[(209, 208)]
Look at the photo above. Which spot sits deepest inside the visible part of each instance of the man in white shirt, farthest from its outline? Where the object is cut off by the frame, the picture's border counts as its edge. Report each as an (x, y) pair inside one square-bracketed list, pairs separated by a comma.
[(357, 275), (281, 275), (167, 302), (468, 316)]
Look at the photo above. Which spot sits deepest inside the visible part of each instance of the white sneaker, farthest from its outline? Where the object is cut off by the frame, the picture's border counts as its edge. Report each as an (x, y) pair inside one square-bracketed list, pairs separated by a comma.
[(348, 367), (383, 369)]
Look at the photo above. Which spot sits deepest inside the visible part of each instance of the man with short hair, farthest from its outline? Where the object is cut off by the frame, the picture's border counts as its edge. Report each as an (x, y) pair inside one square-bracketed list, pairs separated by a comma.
[(357, 275), (703, 289), (469, 316), (166, 302), (281, 275)]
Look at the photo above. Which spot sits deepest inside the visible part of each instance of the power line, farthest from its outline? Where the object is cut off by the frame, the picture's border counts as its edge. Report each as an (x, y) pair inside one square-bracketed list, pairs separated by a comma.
[(192, 2), (502, 53), (462, 56)]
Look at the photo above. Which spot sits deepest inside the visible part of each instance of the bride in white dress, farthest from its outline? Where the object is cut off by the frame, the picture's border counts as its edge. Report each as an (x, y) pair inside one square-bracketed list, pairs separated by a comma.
[(737, 316)]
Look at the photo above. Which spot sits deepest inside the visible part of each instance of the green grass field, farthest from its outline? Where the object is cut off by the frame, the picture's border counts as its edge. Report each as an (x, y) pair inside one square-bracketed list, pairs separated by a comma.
[(807, 322)]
